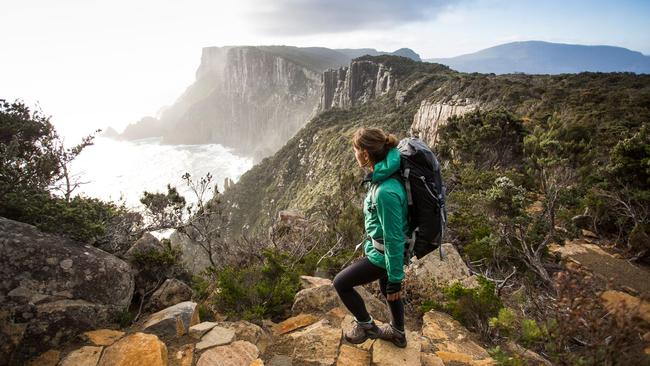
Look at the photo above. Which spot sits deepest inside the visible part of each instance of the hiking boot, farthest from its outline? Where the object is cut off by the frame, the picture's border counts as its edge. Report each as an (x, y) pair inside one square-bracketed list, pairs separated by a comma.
[(389, 333), (361, 331)]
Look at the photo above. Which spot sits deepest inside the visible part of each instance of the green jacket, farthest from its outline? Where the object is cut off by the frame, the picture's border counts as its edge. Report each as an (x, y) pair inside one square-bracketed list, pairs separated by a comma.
[(388, 220)]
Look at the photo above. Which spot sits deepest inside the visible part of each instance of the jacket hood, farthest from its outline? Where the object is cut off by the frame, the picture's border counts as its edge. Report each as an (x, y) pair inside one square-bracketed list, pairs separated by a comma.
[(386, 167)]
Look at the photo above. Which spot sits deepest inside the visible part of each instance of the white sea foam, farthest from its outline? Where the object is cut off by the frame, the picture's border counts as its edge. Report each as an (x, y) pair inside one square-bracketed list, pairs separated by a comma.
[(115, 169)]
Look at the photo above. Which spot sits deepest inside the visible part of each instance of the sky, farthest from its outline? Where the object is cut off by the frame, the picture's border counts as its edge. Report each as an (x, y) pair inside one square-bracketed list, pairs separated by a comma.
[(91, 64)]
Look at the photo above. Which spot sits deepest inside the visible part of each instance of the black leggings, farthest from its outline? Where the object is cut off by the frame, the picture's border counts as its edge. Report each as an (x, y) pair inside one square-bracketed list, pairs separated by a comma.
[(359, 273)]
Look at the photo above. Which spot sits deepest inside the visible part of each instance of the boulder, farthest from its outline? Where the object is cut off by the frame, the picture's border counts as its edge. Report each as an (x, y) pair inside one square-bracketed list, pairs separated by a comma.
[(247, 331), (425, 273), (197, 331), (311, 281), (171, 292), (173, 321), (321, 299), (237, 353), (217, 336), (193, 256), (84, 356), (316, 344), (57, 287), (147, 244), (135, 349), (385, 353), (352, 356), (103, 337)]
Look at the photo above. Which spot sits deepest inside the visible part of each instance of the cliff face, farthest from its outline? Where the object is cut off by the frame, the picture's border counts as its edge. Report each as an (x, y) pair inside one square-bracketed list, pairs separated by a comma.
[(356, 84), (255, 98), (245, 98), (432, 115)]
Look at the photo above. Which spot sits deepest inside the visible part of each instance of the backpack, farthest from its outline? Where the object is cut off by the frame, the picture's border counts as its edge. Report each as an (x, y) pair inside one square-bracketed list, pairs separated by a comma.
[(425, 191), (426, 195)]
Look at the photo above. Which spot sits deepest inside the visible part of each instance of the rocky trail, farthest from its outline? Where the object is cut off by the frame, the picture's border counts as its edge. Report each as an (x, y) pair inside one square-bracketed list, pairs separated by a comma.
[(60, 313), (313, 336)]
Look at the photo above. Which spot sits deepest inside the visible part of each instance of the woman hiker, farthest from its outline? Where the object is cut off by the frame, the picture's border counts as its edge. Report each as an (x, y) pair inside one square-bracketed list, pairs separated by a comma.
[(385, 212)]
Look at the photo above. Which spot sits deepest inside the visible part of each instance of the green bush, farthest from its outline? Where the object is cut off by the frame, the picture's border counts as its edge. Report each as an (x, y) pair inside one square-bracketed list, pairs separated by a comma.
[(505, 322), (503, 358), (257, 291), (83, 219), (164, 259), (473, 307), (530, 331)]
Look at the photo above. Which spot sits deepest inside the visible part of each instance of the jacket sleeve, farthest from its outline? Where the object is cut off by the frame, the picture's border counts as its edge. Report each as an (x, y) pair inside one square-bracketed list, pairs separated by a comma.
[(389, 212)]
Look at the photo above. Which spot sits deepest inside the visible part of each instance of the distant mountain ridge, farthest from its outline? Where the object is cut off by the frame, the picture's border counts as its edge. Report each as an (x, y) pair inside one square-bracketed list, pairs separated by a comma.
[(251, 98), (538, 57)]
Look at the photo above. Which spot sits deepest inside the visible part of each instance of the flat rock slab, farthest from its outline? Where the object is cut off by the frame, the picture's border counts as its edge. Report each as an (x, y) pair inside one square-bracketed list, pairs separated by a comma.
[(293, 323), (197, 331), (430, 270), (352, 356), (318, 343), (247, 331), (385, 353), (237, 353), (173, 321), (84, 356), (620, 302), (103, 337), (448, 335), (461, 359), (605, 265), (135, 350), (217, 336)]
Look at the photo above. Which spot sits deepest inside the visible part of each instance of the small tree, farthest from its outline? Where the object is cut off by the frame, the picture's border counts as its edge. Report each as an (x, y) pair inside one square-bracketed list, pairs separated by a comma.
[(66, 182), (205, 225)]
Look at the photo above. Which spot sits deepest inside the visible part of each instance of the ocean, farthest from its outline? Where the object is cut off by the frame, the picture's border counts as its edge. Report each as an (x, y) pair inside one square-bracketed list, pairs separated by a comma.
[(122, 170)]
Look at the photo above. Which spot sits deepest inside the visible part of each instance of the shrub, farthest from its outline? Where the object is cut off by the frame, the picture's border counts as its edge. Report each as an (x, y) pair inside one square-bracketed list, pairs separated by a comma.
[(82, 219), (581, 331), (257, 291), (502, 358), (472, 307)]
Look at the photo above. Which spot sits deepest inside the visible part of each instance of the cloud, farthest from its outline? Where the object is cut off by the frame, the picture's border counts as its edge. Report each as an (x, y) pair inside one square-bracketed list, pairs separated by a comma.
[(302, 17)]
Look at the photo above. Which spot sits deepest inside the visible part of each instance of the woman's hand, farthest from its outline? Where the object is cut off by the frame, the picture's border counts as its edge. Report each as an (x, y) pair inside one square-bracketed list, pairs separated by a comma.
[(393, 290)]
